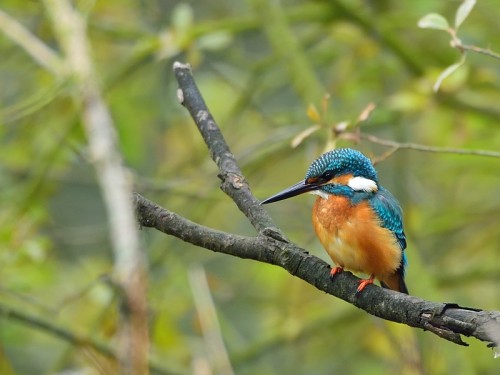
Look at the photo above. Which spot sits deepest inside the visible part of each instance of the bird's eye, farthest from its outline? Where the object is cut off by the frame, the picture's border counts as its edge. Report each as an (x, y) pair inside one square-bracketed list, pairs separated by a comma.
[(327, 176)]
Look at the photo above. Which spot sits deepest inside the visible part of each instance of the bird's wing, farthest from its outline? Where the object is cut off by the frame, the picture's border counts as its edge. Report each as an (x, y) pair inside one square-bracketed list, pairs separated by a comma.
[(388, 210), (390, 214)]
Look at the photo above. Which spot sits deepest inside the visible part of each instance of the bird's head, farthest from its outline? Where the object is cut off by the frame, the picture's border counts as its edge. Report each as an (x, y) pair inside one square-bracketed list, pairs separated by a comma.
[(345, 169)]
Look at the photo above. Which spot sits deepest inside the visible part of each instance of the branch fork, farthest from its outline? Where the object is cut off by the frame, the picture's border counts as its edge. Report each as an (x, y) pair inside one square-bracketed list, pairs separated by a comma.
[(446, 320)]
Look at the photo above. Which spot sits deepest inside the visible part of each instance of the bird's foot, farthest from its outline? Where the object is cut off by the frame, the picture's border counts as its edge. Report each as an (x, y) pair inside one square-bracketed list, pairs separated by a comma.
[(334, 271), (363, 283)]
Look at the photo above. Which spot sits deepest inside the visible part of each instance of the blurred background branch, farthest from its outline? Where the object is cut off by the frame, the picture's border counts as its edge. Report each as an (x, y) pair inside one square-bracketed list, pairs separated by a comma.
[(75, 338), (209, 323), (37, 49), (70, 29)]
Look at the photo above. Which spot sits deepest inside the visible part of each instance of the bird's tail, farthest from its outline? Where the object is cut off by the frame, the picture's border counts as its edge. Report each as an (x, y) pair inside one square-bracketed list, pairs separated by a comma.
[(395, 281)]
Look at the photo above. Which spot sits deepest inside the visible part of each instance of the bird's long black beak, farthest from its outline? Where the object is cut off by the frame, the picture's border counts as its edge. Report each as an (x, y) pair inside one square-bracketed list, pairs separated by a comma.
[(299, 188)]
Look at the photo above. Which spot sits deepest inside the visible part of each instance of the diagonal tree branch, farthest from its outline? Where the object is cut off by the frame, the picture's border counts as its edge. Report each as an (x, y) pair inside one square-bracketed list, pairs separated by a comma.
[(234, 183), (446, 320)]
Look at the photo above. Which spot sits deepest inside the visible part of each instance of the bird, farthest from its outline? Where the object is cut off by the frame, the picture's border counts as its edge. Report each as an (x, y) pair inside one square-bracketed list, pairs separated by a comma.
[(358, 222)]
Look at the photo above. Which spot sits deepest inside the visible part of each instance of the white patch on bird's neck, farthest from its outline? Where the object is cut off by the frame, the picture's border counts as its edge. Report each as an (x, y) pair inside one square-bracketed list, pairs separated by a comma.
[(362, 184), (320, 193)]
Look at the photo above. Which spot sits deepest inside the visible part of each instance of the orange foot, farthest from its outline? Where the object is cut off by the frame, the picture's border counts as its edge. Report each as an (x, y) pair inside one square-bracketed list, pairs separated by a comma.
[(363, 283), (335, 271)]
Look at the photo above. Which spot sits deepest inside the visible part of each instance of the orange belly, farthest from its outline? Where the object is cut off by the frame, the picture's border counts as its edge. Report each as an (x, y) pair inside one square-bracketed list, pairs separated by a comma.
[(353, 237)]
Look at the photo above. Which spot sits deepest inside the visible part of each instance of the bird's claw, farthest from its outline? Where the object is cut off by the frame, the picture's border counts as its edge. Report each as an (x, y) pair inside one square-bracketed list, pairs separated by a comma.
[(334, 271), (363, 283)]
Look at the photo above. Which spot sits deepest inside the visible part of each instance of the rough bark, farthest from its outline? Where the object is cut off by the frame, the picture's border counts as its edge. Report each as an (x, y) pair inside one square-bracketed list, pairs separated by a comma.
[(447, 320)]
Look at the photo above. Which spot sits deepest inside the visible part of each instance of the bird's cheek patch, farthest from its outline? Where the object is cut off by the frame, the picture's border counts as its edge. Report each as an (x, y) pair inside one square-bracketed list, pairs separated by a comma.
[(362, 184)]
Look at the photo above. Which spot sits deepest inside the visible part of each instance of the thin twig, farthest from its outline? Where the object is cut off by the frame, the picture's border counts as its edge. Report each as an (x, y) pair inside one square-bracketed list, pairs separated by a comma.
[(384, 156), (480, 50), (418, 147), (456, 42)]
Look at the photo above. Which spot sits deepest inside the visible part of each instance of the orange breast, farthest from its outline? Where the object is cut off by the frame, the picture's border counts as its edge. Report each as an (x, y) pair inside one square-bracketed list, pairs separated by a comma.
[(353, 237)]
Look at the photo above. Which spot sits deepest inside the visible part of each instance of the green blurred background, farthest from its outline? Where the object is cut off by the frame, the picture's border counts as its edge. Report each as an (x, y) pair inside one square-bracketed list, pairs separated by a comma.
[(261, 66)]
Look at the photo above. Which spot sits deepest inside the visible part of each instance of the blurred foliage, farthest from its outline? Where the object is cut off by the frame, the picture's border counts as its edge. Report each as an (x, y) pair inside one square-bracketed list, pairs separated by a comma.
[(264, 68)]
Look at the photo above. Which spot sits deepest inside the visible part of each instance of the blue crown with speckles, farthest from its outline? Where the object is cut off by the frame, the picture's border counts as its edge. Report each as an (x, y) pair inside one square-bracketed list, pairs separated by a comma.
[(343, 161)]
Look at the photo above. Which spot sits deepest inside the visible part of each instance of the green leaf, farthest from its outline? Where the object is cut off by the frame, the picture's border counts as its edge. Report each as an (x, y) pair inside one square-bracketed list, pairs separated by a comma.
[(433, 21), (313, 114), (447, 72), (463, 12)]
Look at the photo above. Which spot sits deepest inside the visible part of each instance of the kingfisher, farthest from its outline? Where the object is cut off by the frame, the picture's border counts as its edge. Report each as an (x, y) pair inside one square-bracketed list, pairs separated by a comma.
[(358, 222)]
